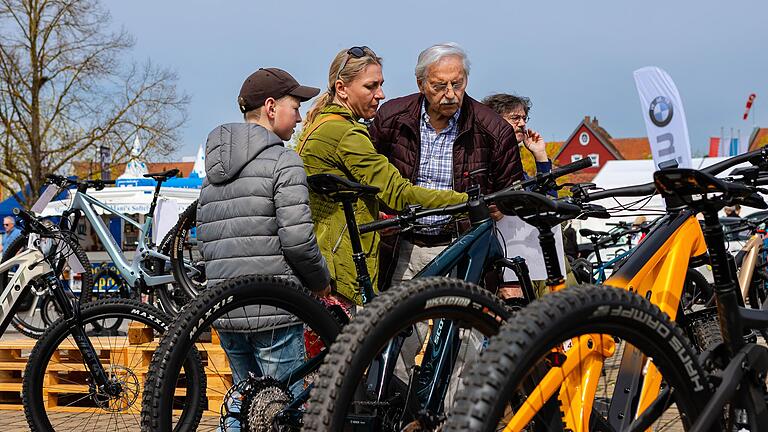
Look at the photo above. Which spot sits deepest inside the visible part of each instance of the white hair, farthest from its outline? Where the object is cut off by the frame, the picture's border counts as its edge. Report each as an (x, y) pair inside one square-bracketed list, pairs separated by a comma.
[(435, 53)]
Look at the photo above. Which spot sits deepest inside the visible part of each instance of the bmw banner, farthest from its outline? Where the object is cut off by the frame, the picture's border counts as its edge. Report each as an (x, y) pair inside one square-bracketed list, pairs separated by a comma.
[(664, 116)]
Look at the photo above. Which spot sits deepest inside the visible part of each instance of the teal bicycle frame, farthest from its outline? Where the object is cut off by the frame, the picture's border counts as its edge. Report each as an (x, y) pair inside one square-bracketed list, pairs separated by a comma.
[(132, 271)]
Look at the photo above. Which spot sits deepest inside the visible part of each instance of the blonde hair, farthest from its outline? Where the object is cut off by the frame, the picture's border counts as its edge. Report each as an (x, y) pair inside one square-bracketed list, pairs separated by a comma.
[(353, 67)]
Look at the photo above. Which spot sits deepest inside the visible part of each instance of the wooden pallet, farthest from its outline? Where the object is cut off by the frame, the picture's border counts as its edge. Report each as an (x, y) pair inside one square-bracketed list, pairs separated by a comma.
[(66, 387)]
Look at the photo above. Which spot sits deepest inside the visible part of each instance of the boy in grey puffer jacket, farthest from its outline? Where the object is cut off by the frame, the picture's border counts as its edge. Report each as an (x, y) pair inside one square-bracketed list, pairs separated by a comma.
[(254, 218)]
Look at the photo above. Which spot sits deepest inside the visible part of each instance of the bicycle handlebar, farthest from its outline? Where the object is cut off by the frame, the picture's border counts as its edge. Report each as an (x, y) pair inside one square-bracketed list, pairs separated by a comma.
[(754, 157), (64, 182), (540, 179)]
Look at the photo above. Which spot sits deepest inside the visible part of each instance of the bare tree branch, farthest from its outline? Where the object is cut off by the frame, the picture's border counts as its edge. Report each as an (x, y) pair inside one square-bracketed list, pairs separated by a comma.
[(64, 92)]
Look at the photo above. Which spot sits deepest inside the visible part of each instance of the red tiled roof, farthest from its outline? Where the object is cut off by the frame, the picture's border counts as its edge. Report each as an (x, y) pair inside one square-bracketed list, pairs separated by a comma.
[(632, 148)]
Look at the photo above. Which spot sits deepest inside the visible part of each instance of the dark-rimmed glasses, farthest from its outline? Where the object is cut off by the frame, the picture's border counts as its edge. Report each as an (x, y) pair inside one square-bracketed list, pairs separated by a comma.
[(514, 118), (356, 52)]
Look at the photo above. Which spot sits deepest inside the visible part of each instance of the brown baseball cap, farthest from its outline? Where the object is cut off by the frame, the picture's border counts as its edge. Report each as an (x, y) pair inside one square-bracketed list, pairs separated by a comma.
[(271, 83)]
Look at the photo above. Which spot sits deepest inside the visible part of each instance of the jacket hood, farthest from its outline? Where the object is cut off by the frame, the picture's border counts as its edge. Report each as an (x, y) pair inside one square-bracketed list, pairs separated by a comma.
[(231, 146)]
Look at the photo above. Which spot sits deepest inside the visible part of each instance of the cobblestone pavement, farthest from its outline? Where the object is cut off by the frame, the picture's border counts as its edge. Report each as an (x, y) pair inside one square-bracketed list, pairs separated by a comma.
[(13, 421)]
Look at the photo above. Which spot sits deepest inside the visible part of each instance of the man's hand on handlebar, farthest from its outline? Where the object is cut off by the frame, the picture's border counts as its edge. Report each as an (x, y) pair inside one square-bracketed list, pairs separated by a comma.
[(496, 214), (387, 231)]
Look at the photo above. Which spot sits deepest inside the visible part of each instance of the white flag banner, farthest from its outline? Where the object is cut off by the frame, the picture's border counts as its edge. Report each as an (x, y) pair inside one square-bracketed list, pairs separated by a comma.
[(664, 116), (522, 240), (166, 216)]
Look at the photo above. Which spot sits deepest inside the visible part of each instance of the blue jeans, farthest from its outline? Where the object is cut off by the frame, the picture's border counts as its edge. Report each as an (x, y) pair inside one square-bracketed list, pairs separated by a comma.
[(266, 353)]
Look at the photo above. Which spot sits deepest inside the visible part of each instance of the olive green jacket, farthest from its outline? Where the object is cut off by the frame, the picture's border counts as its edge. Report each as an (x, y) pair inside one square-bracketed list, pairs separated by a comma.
[(344, 148)]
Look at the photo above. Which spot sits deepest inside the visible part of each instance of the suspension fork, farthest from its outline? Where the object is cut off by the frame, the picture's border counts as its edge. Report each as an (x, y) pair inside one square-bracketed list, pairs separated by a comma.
[(71, 313)]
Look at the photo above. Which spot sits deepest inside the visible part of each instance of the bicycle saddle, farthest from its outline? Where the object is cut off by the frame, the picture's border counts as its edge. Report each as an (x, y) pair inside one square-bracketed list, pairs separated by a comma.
[(162, 176), (586, 232), (339, 188), (684, 182), (536, 209)]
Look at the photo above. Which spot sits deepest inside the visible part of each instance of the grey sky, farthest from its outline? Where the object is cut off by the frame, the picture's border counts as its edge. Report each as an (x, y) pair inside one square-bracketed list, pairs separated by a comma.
[(571, 58)]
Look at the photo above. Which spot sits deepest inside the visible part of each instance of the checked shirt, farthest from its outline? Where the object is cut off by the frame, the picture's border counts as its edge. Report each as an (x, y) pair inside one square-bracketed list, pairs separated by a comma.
[(436, 163)]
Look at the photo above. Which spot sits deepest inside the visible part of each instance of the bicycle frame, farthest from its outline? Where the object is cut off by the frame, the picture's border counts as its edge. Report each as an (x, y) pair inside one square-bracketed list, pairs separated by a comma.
[(599, 273), (32, 265), (653, 270), (130, 271)]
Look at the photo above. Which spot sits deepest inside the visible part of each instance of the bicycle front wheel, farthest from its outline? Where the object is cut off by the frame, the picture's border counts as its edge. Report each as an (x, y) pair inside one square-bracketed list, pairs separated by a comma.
[(60, 393), (586, 352), (261, 355), (401, 362)]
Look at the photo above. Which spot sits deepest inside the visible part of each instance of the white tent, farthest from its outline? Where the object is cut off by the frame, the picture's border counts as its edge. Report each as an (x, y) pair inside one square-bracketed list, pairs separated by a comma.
[(129, 199), (136, 168), (199, 167)]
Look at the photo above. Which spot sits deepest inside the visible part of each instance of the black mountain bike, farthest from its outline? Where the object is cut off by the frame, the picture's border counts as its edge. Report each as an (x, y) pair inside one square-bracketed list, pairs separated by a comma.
[(402, 359), (268, 400)]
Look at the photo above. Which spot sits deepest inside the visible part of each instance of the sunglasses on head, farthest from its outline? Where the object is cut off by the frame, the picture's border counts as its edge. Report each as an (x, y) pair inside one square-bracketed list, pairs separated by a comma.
[(356, 52)]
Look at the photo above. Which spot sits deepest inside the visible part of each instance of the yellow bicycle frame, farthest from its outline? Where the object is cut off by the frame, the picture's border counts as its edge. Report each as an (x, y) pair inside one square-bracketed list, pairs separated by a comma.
[(656, 269)]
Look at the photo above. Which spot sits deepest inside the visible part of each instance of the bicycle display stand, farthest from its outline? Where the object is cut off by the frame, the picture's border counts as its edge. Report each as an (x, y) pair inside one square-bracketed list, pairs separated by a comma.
[(138, 349)]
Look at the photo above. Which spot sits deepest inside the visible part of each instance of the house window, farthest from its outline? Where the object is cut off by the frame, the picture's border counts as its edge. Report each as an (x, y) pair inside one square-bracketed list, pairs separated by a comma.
[(595, 159), (575, 157), (584, 139)]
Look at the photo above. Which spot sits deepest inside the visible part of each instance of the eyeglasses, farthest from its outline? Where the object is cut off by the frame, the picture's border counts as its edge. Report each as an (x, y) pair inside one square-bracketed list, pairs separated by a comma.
[(517, 118), (356, 52), (443, 87), (5, 224)]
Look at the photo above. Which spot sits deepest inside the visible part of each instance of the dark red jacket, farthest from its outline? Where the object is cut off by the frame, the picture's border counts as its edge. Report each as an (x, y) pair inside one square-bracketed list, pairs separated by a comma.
[(485, 140)]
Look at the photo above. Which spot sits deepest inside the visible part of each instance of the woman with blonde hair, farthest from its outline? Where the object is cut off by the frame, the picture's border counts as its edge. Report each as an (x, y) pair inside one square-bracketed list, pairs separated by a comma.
[(335, 142)]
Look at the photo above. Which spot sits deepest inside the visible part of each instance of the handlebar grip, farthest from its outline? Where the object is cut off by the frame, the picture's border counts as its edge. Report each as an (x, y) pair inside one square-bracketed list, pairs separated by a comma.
[(572, 167), (23, 214), (379, 225), (109, 182)]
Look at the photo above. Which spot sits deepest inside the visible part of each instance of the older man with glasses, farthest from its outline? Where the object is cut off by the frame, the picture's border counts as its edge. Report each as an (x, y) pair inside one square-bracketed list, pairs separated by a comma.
[(440, 138), (11, 232)]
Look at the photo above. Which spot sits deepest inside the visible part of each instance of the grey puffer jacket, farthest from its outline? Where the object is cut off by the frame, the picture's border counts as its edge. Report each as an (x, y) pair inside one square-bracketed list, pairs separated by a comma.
[(253, 217)]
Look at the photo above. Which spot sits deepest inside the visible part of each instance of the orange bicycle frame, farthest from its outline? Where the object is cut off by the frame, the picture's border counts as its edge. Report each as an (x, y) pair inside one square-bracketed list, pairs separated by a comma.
[(656, 269)]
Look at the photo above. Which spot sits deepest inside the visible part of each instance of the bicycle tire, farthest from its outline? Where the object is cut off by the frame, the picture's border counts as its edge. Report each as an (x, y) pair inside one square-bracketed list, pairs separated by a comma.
[(170, 297), (37, 374), (191, 286), (200, 313), (25, 326), (379, 322), (531, 335)]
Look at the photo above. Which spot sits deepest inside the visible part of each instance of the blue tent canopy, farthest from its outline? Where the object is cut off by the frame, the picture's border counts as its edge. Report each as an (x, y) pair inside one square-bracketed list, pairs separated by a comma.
[(191, 182), (7, 205)]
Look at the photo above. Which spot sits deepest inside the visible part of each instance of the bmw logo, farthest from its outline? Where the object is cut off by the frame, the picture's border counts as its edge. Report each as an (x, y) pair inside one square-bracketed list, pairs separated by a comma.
[(660, 111)]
